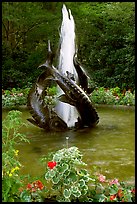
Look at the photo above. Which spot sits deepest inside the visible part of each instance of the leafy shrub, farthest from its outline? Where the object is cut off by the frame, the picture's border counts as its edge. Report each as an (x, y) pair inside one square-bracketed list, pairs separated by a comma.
[(113, 96), (15, 97), (66, 177), (103, 96), (128, 99)]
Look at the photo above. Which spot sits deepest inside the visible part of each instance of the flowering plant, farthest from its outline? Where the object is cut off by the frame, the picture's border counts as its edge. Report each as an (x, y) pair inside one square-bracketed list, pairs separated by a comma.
[(14, 97), (104, 190), (113, 96), (65, 176), (34, 192), (68, 180), (10, 163)]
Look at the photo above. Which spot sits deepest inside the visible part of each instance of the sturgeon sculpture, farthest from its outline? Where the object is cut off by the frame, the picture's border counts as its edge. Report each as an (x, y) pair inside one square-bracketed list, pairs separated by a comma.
[(47, 118), (43, 116)]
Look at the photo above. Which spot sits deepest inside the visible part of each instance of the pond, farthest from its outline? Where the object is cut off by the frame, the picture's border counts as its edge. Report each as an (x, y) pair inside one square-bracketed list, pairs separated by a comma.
[(110, 145)]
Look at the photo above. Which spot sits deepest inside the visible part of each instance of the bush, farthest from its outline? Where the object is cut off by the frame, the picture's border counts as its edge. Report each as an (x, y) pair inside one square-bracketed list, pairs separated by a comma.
[(15, 97), (113, 96)]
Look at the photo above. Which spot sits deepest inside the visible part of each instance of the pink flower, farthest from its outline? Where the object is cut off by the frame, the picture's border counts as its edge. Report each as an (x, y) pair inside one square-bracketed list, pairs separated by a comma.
[(114, 181), (33, 190), (52, 164), (20, 94), (117, 98), (101, 178)]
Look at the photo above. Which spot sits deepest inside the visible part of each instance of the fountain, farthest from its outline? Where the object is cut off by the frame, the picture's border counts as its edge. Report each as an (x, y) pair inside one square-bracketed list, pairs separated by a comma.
[(74, 108), (67, 50)]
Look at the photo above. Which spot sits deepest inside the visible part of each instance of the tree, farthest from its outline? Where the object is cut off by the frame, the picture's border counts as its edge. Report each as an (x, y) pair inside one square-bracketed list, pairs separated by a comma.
[(105, 33)]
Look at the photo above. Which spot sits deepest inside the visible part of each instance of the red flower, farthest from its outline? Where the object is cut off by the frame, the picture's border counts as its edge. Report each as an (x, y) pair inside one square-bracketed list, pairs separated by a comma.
[(29, 186), (120, 193), (133, 191), (35, 185), (39, 185), (52, 164), (112, 197)]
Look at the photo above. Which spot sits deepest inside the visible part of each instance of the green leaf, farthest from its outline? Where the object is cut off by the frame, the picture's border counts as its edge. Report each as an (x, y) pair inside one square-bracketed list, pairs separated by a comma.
[(102, 198), (84, 191), (52, 173), (73, 176), (55, 179), (67, 181), (82, 182), (66, 193), (74, 189), (63, 168), (67, 173), (47, 175), (113, 191), (77, 193)]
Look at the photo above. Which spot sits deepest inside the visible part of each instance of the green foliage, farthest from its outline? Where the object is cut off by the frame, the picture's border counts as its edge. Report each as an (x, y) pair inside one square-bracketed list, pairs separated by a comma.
[(128, 99), (109, 42), (15, 97), (67, 178), (106, 40), (51, 96), (105, 190), (10, 164), (113, 96)]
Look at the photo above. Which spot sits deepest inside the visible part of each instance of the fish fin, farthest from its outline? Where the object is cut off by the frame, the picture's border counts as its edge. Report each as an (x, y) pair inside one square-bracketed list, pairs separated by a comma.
[(33, 122), (65, 99)]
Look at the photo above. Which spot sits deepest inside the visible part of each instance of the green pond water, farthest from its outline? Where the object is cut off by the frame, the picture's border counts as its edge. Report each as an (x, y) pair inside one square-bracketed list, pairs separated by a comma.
[(109, 146)]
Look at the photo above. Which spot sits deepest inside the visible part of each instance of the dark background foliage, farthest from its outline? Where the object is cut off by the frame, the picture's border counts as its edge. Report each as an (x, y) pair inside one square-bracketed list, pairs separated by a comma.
[(105, 33)]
